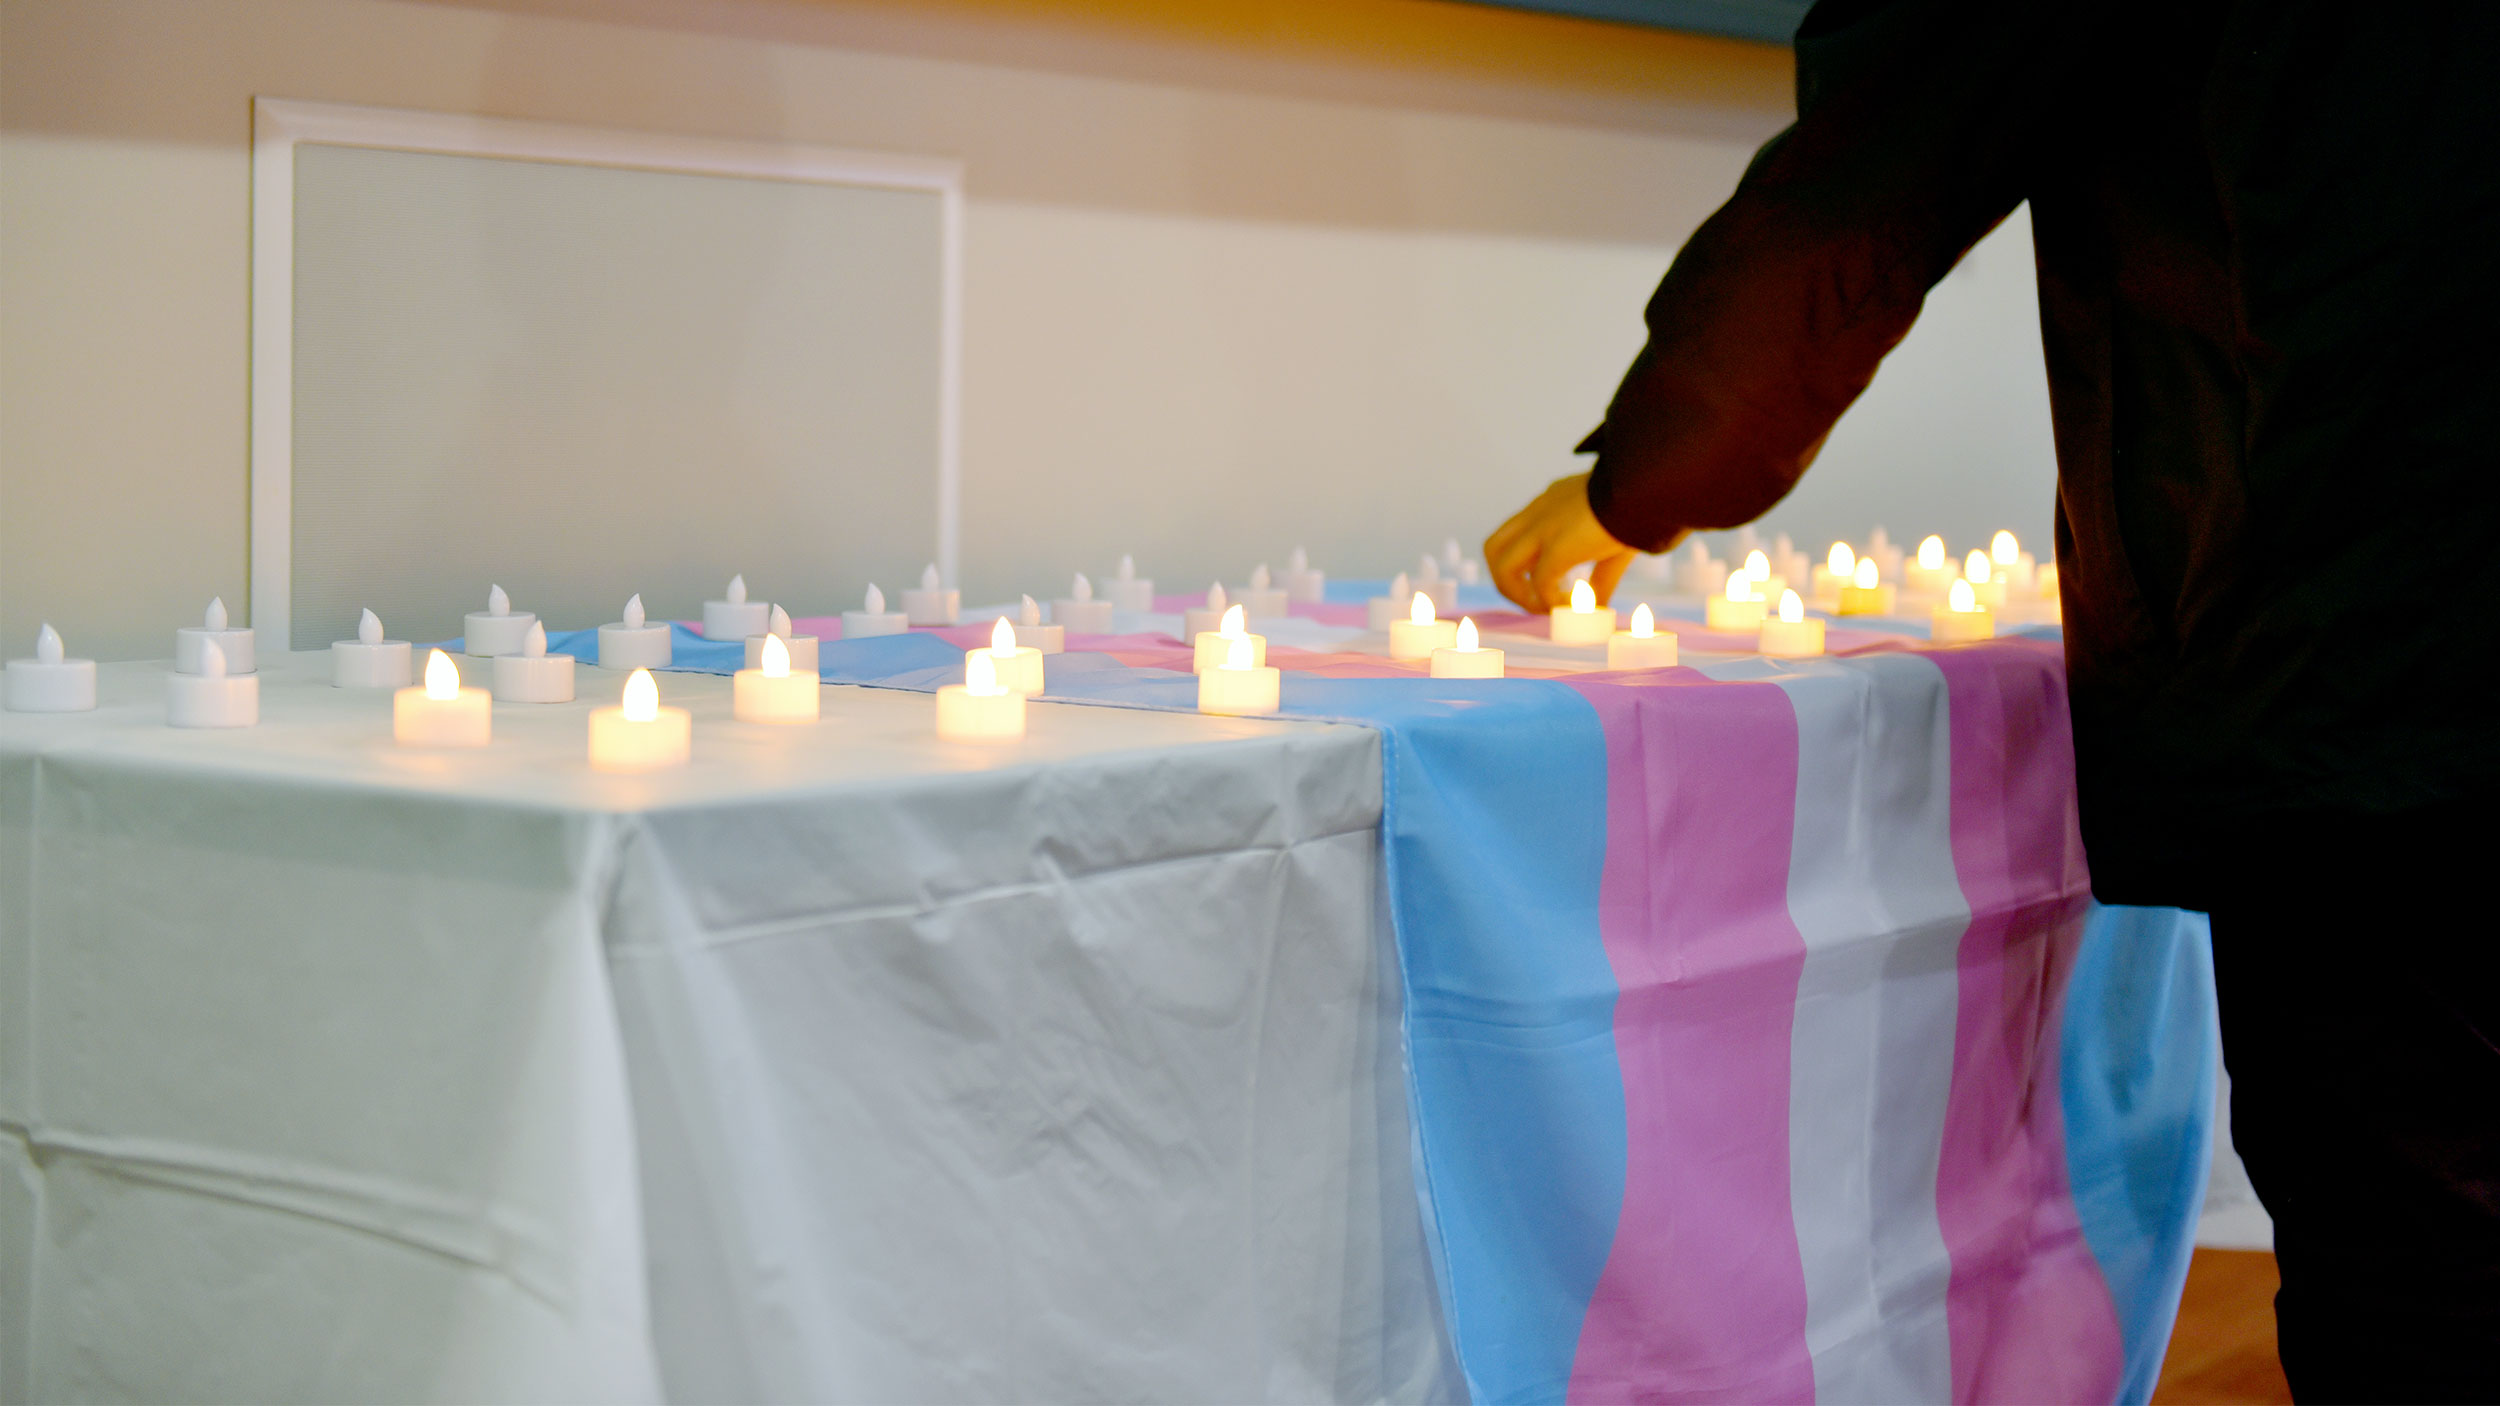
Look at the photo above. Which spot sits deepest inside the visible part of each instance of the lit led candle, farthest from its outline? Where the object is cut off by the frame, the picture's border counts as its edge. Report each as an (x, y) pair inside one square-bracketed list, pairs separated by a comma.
[(498, 629), (1962, 617), (634, 642), (1766, 583), (2045, 582), (1792, 634), (370, 661), (1017, 668), (1442, 589), (1387, 610), (638, 734), (234, 645), (1930, 574), (1700, 574), (1738, 608), (1985, 586), (1456, 565), (49, 683), (1239, 687), (1887, 556), (979, 709), (1421, 632), (872, 618), (533, 675), (2017, 568), (1199, 620), (1867, 595), (439, 712), (1787, 563), (1641, 647), (1033, 634), (211, 697), (1581, 622), (1130, 591), (1078, 612), (770, 692), (733, 616), (934, 603), (1262, 599), (1838, 570), (1465, 658), (1303, 581), (801, 648), (1211, 648)]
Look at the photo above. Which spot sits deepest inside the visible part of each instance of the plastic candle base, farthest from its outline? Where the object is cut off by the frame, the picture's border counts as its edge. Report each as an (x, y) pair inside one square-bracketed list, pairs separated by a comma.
[(1869, 600), (1625, 650), (466, 719), (619, 743), (484, 635), (1209, 646), (1792, 639), (636, 646), (868, 624), (1135, 595), (1309, 587), (1240, 692), (534, 678), (1990, 593), (1930, 580), (1411, 641), (1263, 603), (932, 605), (966, 716), (1199, 620), (1467, 663), (758, 697), (1735, 616), (50, 686), (1082, 617), (735, 619), (236, 644), (197, 700), (802, 653), (1951, 626), (1583, 626), (1049, 639), (387, 664), (1019, 669)]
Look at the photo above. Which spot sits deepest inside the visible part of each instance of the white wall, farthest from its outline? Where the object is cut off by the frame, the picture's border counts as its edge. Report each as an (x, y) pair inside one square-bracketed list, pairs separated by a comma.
[(1240, 273)]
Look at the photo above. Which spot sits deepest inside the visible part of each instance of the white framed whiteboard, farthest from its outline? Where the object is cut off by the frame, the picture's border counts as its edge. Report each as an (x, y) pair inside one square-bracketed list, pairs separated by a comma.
[(587, 362)]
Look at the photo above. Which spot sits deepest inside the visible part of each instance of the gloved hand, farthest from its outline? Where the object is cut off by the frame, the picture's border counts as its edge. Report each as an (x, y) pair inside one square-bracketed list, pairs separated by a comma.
[(1529, 554)]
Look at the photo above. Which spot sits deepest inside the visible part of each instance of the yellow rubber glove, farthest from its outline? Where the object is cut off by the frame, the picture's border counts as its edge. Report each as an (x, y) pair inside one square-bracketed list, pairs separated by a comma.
[(1529, 554)]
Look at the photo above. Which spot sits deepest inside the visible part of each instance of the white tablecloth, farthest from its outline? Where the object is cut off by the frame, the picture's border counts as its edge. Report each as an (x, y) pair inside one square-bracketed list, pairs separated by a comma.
[(843, 1063)]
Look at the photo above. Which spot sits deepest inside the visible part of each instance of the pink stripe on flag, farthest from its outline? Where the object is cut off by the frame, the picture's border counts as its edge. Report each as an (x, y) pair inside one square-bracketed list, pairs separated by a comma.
[(1703, 1295), (2031, 1316)]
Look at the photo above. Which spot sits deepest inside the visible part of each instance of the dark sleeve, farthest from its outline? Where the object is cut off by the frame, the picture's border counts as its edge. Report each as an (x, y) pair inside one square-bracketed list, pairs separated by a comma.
[(1918, 123)]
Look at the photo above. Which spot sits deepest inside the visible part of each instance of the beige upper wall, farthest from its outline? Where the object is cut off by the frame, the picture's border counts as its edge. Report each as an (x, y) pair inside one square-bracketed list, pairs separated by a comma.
[(1384, 255)]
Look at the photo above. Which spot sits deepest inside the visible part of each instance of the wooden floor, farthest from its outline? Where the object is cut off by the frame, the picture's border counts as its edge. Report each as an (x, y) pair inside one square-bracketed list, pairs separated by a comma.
[(2223, 1348)]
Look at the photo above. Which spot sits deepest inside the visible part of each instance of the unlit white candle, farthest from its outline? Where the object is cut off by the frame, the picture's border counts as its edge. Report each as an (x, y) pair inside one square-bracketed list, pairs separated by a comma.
[(50, 681), (636, 642)]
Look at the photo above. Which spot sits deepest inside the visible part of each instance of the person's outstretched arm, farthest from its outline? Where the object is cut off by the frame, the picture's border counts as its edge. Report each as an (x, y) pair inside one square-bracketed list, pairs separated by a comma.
[(1918, 124)]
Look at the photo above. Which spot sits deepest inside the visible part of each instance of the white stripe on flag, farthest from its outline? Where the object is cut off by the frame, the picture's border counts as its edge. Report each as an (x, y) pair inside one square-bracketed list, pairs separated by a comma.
[(1872, 888)]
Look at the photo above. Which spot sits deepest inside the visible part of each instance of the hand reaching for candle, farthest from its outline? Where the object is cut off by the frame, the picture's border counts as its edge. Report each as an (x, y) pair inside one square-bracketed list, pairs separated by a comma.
[(1530, 554)]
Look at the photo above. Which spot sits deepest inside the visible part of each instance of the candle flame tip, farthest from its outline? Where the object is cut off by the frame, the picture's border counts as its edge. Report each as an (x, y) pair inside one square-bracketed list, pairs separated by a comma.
[(47, 644), (442, 677)]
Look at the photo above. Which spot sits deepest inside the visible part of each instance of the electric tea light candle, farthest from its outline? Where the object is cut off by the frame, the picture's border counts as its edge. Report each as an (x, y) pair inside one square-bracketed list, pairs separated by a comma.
[(638, 734), (1456, 564), (2014, 566), (1033, 634), (1213, 647), (1787, 563), (933, 603), (1641, 647), (1790, 634), (370, 661), (1866, 595), (1199, 620), (533, 675), (872, 618), (1303, 581), (1421, 632), (498, 629), (1018, 669), (1430, 581), (1887, 556), (1387, 610), (1766, 584), (1838, 570), (800, 648), (1701, 574), (1582, 622), (1931, 574), (1739, 609), (634, 642), (234, 645), (211, 697), (439, 712), (1984, 584), (770, 692), (49, 682), (979, 709), (1130, 591), (1262, 599), (1465, 658), (1962, 617), (733, 616), (1237, 687), (1078, 612)]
